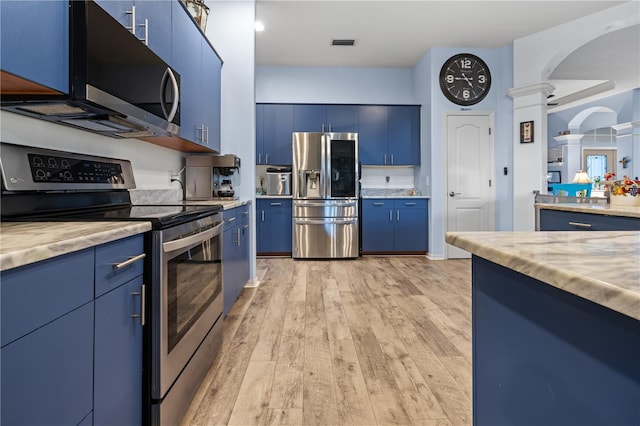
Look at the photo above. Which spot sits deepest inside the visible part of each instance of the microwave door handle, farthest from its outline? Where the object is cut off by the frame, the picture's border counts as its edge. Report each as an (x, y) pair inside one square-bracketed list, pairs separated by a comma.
[(191, 240), (168, 74)]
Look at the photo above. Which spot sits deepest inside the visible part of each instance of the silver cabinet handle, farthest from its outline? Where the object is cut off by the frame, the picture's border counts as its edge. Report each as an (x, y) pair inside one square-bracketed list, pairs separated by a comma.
[(581, 225), (245, 213), (266, 159), (262, 211), (206, 134), (385, 159), (378, 204), (231, 219), (322, 128), (330, 127), (132, 259), (390, 215), (397, 215), (259, 158), (245, 226), (142, 314), (453, 194), (275, 204), (132, 12), (237, 241), (145, 40), (409, 204), (391, 158)]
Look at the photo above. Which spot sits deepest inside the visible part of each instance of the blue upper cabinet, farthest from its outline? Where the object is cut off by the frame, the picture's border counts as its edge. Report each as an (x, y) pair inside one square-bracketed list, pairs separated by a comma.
[(148, 20), (277, 129), (35, 42), (373, 134), (325, 118), (342, 118), (389, 135), (199, 67), (404, 134)]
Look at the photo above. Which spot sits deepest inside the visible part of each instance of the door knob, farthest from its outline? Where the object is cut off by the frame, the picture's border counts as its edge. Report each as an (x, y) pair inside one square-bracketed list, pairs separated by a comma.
[(453, 194)]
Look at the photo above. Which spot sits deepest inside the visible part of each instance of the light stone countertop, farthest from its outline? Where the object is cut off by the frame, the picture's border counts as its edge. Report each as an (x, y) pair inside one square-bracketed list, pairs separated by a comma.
[(603, 267), (602, 209), (226, 204), (22, 243)]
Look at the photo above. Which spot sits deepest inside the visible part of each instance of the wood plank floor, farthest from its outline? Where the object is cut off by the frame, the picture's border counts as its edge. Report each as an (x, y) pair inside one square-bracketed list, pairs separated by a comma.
[(354, 342)]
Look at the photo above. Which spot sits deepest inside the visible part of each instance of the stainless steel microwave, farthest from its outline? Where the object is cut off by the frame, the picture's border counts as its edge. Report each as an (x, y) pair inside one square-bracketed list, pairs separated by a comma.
[(118, 86)]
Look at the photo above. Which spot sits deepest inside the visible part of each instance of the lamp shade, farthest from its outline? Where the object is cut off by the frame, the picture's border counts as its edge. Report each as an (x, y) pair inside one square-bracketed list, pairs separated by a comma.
[(581, 177)]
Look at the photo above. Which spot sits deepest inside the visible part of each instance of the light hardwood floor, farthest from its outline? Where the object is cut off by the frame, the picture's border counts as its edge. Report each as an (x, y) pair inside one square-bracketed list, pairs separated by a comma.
[(351, 342)]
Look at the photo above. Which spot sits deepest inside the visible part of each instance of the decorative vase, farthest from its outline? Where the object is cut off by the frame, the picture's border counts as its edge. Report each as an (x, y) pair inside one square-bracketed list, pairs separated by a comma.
[(624, 200)]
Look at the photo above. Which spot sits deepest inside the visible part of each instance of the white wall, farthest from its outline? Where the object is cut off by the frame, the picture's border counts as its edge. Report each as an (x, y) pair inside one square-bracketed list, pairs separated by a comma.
[(231, 31), (151, 164)]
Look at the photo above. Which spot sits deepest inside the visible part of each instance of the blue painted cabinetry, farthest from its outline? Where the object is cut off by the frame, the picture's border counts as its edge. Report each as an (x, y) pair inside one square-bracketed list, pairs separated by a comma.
[(394, 225), (35, 41), (199, 68), (235, 253), (325, 118), (557, 220), (274, 226), (389, 135), (71, 342), (148, 20), (274, 128)]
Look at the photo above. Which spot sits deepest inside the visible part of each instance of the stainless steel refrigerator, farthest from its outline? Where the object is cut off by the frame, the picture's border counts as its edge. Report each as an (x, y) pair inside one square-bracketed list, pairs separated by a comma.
[(326, 189)]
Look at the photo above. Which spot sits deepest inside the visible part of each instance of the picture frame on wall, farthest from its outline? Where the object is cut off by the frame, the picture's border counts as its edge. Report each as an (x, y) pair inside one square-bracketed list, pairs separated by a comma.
[(554, 176), (526, 132)]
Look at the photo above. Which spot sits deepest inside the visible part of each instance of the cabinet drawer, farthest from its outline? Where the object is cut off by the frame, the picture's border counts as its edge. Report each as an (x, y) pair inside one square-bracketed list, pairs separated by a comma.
[(555, 220), (109, 256), (36, 294), (413, 203), (47, 376), (242, 215), (372, 203), (230, 218)]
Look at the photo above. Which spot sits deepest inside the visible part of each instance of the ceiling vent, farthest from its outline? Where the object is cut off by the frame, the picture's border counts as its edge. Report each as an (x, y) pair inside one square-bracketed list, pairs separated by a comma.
[(343, 42)]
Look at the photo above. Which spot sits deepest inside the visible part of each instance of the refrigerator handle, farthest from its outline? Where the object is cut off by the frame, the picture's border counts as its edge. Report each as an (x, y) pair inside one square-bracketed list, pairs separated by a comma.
[(325, 165)]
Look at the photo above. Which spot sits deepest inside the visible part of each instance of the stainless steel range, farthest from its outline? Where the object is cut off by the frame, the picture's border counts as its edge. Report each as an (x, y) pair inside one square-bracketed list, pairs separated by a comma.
[(183, 320)]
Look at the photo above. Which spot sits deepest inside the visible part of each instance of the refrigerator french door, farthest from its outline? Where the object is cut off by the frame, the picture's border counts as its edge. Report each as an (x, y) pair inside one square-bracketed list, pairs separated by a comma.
[(325, 195)]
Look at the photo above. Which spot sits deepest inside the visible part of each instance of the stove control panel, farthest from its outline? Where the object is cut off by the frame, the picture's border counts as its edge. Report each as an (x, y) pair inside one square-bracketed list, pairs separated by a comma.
[(38, 169)]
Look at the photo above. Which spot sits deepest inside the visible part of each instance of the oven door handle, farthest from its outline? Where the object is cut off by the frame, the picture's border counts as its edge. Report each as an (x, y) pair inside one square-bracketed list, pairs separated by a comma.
[(191, 240)]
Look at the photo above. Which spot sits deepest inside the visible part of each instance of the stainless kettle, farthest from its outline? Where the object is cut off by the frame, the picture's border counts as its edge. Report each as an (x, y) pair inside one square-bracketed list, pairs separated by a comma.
[(225, 189)]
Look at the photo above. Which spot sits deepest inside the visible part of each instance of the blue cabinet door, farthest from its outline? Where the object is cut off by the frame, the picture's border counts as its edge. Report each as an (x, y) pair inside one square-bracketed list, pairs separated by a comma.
[(186, 57), (47, 376), (229, 267), (35, 41), (117, 394), (556, 220), (274, 224), (342, 118), (373, 127), (377, 225), (410, 230), (259, 133), (153, 26), (211, 96), (309, 118), (404, 135), (277, 134)]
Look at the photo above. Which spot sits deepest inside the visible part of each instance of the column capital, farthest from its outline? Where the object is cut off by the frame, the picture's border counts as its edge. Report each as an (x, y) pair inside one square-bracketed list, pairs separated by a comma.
[(544, 88)]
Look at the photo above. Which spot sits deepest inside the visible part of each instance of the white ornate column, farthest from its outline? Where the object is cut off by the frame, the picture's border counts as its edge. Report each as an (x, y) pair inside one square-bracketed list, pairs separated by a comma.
[(529, 159)]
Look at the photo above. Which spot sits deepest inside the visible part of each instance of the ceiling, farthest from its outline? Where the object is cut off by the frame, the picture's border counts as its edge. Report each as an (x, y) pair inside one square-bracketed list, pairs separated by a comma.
[(399, 33)]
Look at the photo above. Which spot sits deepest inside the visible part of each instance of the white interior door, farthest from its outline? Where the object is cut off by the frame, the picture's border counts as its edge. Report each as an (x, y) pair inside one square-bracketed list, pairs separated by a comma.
[(469, 176)]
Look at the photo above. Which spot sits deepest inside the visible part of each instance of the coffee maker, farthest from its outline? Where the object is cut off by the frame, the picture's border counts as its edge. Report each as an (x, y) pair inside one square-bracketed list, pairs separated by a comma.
[(209, 176)]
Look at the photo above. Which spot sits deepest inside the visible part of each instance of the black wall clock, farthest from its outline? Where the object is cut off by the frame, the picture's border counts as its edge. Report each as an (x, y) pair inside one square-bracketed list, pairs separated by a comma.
[(465, 79)]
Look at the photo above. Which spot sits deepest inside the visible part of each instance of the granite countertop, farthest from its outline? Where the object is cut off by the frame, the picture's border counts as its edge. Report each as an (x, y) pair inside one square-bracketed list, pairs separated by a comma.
[(602, 267), (226, 204), (603, 209), (22, 243)]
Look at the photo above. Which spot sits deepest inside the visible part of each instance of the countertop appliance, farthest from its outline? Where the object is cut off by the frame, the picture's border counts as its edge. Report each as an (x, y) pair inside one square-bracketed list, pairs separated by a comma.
[(183, 269), (326, 185), (118, 86), (204, 176), (279, 181)]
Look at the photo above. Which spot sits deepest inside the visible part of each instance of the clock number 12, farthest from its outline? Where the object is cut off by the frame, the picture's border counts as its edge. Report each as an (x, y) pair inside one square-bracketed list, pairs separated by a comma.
[(465, 63)]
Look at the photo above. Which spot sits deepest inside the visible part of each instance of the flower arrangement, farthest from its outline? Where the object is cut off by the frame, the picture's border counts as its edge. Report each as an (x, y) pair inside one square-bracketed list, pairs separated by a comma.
[(625, 189)]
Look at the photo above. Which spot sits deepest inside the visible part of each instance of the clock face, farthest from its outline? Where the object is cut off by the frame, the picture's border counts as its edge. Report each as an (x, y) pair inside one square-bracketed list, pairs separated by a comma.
[(465, 79)]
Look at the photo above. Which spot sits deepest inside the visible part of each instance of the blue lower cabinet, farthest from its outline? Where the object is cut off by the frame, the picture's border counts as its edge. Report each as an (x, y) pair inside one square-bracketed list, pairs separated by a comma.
[(274, 226), (47, 374), (117, 398), (75, 358), (557, 220), (235, 253), (398, 225)]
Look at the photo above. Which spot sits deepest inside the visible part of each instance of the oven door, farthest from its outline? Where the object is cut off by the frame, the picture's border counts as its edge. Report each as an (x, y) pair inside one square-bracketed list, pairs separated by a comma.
[(190, 300)]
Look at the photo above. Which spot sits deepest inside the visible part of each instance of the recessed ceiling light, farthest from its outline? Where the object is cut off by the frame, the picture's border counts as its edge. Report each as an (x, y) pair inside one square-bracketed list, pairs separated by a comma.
[(259, 26)]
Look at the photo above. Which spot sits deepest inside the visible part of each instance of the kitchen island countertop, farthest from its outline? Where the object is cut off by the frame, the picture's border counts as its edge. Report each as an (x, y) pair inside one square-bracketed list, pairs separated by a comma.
[(22, 243), (603, 267)]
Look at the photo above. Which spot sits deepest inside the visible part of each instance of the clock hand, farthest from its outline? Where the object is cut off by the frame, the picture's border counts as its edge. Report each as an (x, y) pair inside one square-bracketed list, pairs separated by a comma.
[(467, 79)]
